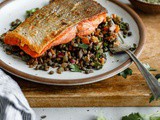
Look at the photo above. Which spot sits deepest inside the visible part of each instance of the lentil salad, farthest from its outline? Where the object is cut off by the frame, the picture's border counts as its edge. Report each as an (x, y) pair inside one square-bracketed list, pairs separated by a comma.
[(81, 54)]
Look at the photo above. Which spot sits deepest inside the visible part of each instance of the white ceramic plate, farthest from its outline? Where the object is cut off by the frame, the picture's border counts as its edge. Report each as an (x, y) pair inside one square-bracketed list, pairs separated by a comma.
[(13, 9)]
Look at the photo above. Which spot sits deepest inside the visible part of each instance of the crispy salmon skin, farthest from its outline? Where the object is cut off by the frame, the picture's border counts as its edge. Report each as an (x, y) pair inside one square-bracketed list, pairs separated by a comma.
[(57, 23)]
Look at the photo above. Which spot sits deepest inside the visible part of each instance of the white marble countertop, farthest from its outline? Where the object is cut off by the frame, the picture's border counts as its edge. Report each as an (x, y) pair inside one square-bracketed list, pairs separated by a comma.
[(111, 113)]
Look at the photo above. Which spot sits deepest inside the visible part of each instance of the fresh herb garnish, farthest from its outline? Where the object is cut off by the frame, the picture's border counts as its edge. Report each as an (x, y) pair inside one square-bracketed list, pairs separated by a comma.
[(133, 116), (155, 118), (98, 65), (138, 116), (100, 39), (98, 55), (105, 44), (31, 12), (147, 66), (83, 46), (151, 99), (122, 26), (75, 68), (101, 118), (126, 72)]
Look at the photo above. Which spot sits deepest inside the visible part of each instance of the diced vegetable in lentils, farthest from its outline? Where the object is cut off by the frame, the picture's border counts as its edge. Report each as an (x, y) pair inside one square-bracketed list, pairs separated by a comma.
[(81, 54), (124, 27)]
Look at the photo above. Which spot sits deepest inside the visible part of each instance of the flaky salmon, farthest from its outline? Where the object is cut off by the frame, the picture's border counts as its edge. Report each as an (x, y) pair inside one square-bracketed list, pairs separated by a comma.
[(57, 23)]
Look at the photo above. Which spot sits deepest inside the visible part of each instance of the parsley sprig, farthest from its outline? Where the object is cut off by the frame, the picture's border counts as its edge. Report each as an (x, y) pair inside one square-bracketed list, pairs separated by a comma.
[(133, 116), (126, 72), (75, 68)]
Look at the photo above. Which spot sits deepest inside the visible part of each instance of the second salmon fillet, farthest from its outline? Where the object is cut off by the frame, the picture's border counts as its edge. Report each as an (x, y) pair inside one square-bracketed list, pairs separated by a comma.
[(57, 23)]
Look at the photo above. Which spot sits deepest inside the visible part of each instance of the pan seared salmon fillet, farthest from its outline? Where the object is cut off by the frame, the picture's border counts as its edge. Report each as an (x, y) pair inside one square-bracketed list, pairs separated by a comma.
[(57, 23)]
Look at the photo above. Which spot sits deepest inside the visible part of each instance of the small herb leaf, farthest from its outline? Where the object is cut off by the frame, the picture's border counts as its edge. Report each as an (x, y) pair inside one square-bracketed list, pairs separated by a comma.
[(31, 12), (125, 73), (133, 116), (83, 46), (151, 99), (75, 68)]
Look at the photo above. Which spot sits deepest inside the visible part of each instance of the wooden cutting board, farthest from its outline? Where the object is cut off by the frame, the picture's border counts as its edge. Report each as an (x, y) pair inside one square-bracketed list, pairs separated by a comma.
[(115, 91)]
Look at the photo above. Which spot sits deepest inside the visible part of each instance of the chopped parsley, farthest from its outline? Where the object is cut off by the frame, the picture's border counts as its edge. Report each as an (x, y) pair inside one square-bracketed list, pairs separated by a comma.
[(31, 12), (101, 118), (75, 68), (83, 46), (151, 99), (133, 116), (126, 72), (138, 116)]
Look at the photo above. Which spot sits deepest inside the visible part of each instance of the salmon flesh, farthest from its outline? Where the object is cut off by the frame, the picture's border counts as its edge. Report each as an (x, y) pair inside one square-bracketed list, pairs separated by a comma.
[(57, 23)]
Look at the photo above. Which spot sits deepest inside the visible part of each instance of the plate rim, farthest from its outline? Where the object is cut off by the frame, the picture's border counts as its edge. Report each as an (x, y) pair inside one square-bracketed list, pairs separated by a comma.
[(82, 81)]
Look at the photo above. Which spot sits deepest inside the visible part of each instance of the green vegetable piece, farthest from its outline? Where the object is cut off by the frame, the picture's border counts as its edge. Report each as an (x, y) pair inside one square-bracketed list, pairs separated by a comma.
[(100, 39), (122, 26), (83, 46), (98, 65), (101, 118), (155, 118), (133, 116), (105, 44), (31, 12), (151, 99), (98, 55), (75, 68), (126, 72)]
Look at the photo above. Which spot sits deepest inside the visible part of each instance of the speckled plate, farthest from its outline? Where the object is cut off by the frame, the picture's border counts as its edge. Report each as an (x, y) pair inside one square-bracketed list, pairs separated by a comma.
[(12, 9)]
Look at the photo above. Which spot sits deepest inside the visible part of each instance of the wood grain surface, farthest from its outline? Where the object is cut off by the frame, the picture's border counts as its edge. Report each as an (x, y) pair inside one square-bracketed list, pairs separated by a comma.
[(115, 91)]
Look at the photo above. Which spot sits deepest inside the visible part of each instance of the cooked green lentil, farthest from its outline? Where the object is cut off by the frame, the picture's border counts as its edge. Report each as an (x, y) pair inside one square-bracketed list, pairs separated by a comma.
[(79, 55), (51, 72)]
